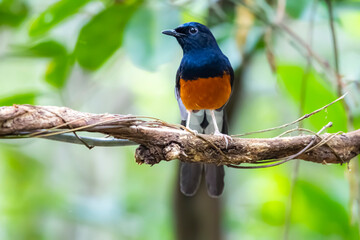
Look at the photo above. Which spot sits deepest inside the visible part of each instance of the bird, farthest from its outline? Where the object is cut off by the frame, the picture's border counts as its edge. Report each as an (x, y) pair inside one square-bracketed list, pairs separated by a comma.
[(204, 82)]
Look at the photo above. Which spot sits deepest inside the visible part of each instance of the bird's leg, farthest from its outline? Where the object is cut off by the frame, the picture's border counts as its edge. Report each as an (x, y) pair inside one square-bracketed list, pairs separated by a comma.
[(188, 119), (226, 137), (188, 122)]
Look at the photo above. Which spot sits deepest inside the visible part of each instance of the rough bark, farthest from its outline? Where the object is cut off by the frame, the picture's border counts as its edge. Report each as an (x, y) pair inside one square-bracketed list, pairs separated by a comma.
[(162, 141)]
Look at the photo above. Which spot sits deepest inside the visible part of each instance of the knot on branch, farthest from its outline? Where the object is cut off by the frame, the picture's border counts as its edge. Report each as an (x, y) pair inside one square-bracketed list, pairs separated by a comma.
[(154, 154), (146, 155), (172, 151)]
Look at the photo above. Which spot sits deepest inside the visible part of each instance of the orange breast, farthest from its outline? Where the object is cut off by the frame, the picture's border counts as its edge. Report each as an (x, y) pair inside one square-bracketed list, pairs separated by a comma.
[(205, 93)]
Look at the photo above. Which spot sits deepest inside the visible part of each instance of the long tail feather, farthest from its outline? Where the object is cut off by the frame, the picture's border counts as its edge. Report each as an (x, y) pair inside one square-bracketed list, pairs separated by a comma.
[(214, 176), (190, 177)]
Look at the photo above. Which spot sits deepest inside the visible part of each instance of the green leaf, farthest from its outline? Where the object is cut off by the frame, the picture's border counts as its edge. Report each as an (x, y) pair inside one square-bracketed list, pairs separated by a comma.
[(103, 35), (12, 12), (58, 71), (296, 8), (20, 98), (318, 94), (47, 49), (356, 120), (54, 15), (60, 63)]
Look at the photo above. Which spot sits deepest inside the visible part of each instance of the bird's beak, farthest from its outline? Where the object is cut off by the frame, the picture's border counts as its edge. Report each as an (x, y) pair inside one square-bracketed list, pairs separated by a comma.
[(172, 33)]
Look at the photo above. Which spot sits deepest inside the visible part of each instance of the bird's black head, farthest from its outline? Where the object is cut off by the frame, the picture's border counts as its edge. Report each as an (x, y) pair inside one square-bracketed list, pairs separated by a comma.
[(193, 36)]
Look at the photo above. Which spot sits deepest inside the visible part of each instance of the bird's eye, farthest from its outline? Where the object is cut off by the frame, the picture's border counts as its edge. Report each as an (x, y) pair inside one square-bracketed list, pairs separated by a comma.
[(193, 30)]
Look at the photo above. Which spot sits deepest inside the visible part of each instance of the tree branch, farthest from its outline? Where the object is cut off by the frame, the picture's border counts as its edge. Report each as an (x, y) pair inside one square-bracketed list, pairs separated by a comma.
[(162, 141)]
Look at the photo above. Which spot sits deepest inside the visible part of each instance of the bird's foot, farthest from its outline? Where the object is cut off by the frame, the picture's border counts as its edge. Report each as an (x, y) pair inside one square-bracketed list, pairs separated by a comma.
[(226, 138)]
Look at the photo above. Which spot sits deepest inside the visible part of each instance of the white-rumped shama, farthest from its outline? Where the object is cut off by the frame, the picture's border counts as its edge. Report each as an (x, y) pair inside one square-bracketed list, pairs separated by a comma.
[(203, 87)]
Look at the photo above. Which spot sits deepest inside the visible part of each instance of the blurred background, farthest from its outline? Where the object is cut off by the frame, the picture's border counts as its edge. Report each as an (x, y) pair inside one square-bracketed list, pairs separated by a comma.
[(109, 56)]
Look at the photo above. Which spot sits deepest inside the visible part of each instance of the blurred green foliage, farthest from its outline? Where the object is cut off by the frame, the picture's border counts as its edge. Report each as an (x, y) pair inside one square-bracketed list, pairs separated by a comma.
[(323, 211), (103, 35), (19, 98), (58, 70), (26, 198), (12, 12), (54, 15), (318, 94), (49, 48), (110, 56), (61, 62), (296, 8)]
